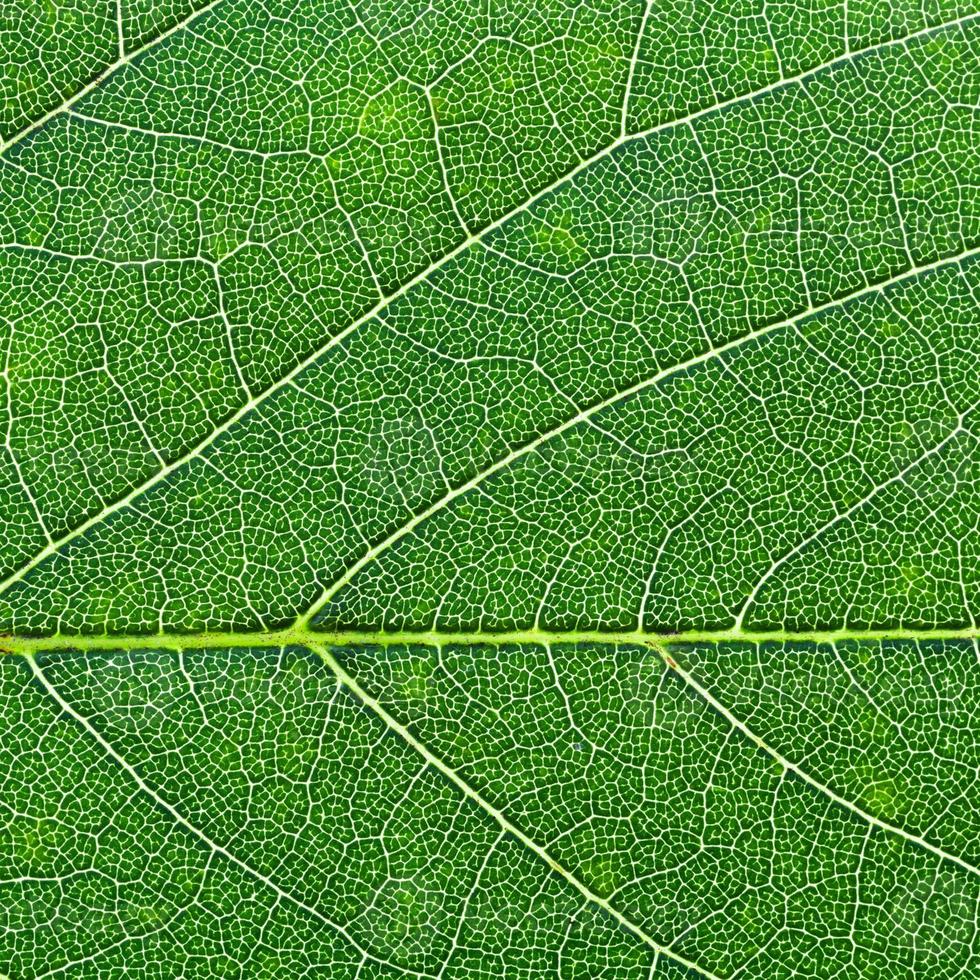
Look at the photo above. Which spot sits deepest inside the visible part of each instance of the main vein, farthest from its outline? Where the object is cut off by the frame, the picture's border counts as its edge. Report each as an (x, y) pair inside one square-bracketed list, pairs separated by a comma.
[(307, 636), (198, 448)]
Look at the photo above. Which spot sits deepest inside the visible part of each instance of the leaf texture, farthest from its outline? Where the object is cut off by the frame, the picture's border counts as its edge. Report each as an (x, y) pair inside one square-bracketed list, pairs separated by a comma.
[(490, 489), (519, 810)]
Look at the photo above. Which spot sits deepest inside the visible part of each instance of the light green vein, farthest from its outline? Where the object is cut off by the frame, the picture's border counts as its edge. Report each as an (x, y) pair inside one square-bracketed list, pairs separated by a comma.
[(498, 816), (305, 636), (843, 515)]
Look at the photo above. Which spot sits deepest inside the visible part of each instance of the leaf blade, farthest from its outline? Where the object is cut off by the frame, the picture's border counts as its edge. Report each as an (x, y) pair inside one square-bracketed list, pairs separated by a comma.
[(490, 491), (591, 714)]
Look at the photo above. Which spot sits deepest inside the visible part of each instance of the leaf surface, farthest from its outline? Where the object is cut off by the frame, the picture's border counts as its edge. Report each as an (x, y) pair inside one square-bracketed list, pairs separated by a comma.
[(490, 490)]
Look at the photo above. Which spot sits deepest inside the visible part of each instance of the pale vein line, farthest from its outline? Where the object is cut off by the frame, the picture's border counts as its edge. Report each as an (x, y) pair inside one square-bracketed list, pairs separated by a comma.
[(845, 514), (843, 58), (498, 816), (179, 818), (29, 645), (106, 72), (806, 777), (8, 441), (443, 169), (422, 276), (591, 410), (119, 29)]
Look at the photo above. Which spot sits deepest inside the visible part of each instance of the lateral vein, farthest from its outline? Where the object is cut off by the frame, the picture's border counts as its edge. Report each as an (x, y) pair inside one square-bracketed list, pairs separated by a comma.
[(811, 781), (346, 680), (123, 60), (179, 818), (618, 396)]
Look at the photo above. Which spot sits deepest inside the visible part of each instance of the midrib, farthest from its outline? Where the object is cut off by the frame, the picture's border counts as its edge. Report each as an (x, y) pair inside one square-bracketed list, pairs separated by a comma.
[(305, 636)]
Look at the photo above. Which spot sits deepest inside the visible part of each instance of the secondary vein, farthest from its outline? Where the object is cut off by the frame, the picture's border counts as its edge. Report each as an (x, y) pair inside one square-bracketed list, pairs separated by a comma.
[(618, 396), (346, 680), (196, 832), (822, 788), (123, 60)]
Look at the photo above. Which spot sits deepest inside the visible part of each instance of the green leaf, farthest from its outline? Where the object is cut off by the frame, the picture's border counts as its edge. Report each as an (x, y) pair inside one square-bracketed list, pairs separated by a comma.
[(489, 490)]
